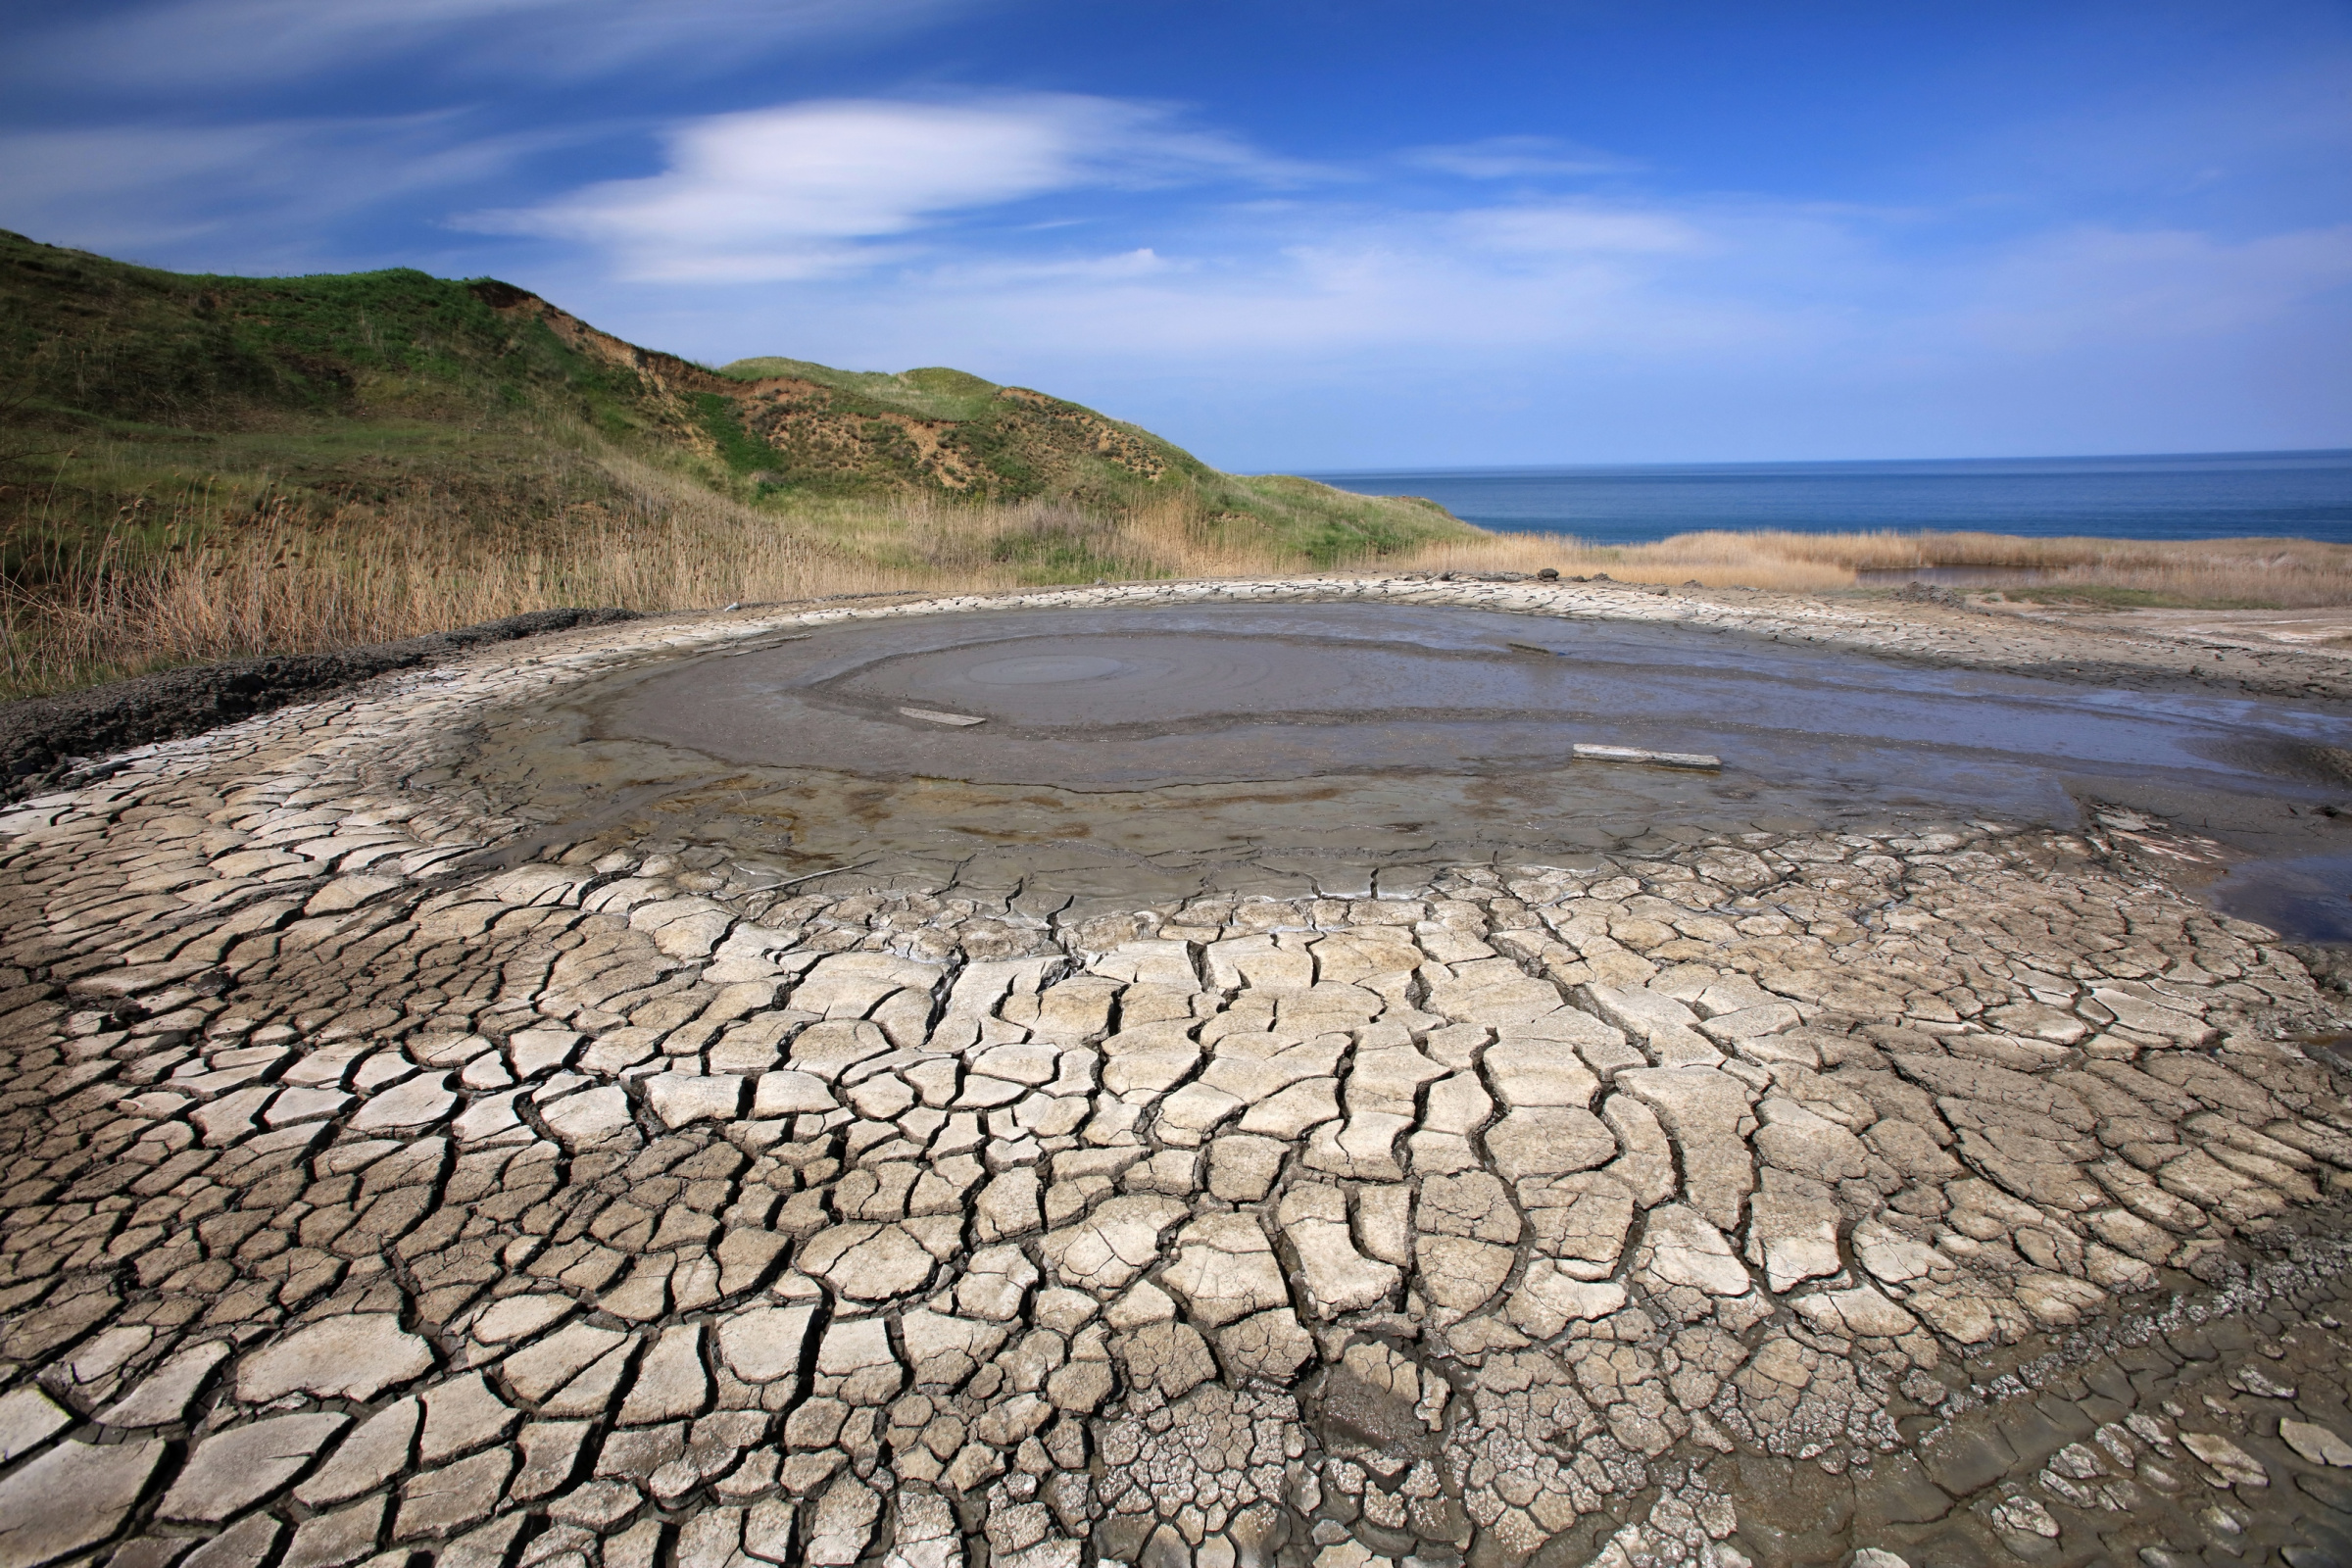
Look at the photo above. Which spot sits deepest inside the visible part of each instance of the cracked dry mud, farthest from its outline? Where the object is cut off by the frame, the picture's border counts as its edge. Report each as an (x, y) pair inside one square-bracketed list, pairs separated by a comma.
[(1958, 1194)]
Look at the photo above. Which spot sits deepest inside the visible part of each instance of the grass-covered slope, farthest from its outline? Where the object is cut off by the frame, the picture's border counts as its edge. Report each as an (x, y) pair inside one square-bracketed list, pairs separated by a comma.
[(125, 393)]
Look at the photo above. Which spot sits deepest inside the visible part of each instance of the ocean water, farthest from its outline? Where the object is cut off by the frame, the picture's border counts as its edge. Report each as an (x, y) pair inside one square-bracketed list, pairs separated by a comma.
[(2228, 495)]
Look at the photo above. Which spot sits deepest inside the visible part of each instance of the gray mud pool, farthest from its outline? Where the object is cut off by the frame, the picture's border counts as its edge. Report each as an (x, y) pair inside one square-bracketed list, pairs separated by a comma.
[(1147, 752)]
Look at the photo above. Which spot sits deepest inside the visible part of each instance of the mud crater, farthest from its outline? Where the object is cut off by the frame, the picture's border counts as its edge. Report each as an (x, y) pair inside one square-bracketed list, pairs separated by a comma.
[(1141, 753)]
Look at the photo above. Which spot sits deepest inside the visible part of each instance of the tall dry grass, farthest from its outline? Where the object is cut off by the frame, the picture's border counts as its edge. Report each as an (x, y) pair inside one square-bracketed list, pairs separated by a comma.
[(204, 586), (2281, 574), (195, 587)]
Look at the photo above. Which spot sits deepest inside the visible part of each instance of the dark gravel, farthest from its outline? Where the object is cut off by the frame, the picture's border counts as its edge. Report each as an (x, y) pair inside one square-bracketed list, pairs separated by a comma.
[(45, 741)]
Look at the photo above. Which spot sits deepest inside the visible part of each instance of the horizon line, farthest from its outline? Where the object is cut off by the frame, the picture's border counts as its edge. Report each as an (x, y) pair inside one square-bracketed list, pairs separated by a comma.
[(2344, 452)]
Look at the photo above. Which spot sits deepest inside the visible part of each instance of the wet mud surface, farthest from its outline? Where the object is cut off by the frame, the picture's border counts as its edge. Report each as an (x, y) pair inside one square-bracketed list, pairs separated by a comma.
[(1148, 753)]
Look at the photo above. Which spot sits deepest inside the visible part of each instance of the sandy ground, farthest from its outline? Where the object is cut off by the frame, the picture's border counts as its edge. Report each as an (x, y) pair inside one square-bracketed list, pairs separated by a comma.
[(391, 1175), (2327, 633)]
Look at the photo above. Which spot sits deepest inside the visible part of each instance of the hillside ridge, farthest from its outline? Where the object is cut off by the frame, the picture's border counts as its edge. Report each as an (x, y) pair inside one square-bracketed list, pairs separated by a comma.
[(378, 454), (811, 415)]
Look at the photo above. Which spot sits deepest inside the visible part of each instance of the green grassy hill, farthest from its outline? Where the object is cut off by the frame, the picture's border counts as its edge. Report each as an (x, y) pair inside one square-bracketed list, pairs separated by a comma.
[(136, 404)]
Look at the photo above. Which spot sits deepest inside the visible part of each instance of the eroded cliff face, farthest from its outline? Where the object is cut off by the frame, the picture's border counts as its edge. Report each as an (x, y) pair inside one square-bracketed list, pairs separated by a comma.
[(1942, 1193), (1011, 443)]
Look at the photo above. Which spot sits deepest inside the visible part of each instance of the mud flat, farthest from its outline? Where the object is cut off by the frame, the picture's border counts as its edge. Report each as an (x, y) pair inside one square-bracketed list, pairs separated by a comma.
[(450, 1118), (1157, 752)]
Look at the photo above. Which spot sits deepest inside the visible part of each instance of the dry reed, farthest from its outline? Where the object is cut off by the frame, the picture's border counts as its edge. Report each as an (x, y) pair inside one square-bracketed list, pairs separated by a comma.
[(2285, 574), (193, 588), (269, 579)]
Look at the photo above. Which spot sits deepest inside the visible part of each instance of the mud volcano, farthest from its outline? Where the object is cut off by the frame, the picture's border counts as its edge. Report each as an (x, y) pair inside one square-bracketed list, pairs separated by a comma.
[(1254, 1100), (1146, 753), (1142, 698)]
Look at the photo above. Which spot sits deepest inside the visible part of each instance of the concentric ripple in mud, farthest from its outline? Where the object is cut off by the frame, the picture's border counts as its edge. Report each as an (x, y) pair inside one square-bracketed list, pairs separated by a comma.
[(1214, 694), (1147, 753)]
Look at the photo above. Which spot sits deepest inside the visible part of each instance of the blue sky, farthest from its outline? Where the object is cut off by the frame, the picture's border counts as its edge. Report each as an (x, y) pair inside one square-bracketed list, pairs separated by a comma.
[(1301, 235)]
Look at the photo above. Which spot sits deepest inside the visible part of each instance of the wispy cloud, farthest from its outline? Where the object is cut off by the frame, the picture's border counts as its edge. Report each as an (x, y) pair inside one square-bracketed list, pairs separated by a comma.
[(818, 189), (2052, 292), (1138, 254), (1750, 289), (1516, 158), (270, 185), (1676, 329), (1581, 228), (1315, 281), (229, 43)]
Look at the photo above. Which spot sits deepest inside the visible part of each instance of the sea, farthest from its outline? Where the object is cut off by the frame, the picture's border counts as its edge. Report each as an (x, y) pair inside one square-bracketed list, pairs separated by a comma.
[(2220, 495)]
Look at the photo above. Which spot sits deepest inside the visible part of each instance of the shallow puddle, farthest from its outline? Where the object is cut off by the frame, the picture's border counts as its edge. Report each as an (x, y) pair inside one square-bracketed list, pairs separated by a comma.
[(1147, 752), (2307, 897)]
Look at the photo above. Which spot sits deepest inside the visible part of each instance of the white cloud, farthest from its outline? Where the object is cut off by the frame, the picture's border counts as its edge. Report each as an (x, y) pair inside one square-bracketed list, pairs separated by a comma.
[(1516, 158), (818, 189), (998, 233), (1323, 281), (1355, 339), (1325, 305), (268, 186), (2105, 284), (1119, 268), (212, 43), (1762, 308), (1581, 228)]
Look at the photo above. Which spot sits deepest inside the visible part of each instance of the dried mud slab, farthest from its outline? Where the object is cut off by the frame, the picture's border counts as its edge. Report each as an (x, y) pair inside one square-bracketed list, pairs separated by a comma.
[(388, 1180)]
